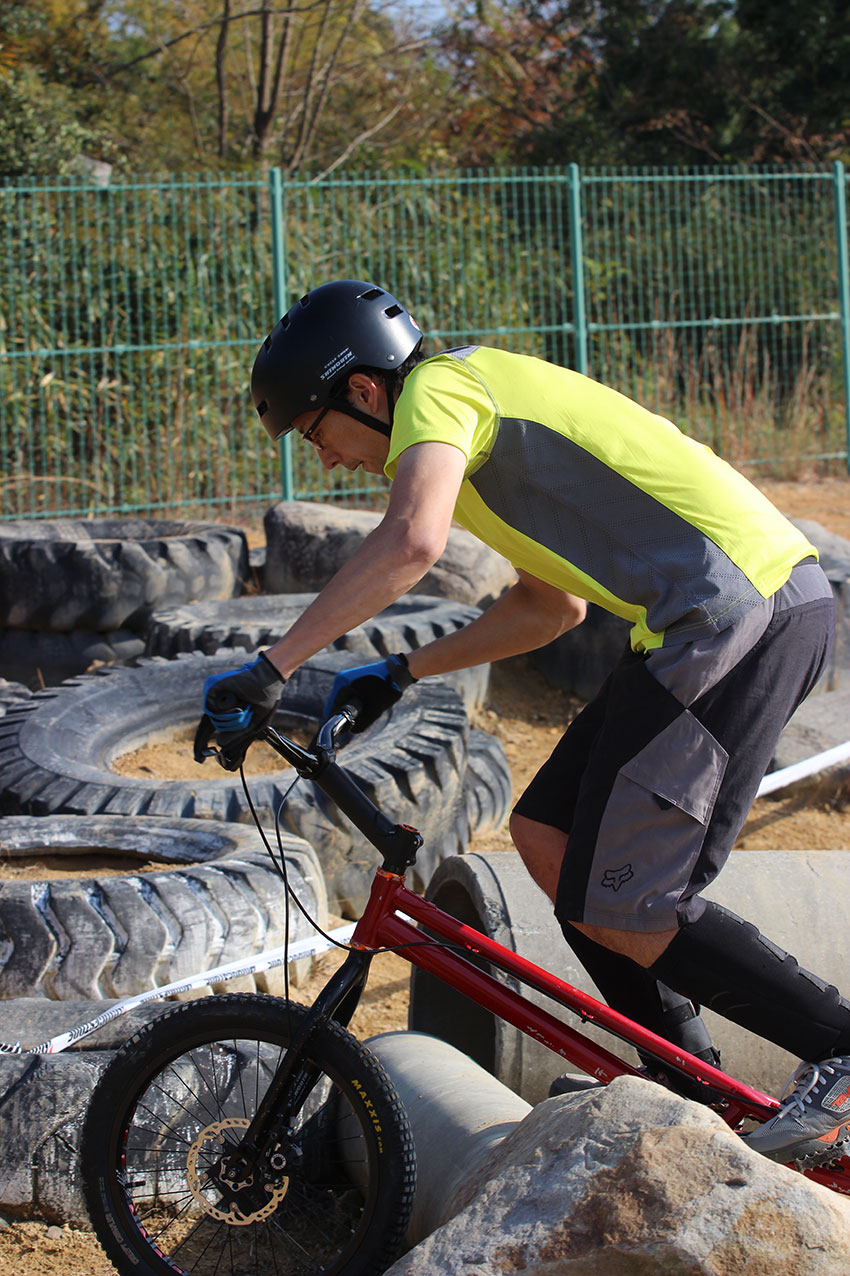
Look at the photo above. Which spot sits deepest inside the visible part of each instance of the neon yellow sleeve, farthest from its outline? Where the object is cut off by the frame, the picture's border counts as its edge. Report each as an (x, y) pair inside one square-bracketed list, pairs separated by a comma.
[(444, 401)]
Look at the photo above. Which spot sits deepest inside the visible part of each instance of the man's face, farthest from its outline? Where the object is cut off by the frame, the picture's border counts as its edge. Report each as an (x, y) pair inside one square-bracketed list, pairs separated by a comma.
[(340, 440)]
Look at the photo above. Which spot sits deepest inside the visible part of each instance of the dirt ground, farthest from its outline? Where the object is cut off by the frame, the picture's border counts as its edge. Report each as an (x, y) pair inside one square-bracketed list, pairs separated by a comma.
[(527, 716)]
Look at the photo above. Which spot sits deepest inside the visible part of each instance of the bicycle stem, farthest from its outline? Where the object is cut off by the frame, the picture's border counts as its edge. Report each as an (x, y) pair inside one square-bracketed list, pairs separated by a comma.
[(396, 843)]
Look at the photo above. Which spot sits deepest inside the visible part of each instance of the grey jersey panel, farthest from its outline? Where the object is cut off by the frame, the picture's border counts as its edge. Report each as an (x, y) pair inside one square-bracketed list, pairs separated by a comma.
[(550, 489)]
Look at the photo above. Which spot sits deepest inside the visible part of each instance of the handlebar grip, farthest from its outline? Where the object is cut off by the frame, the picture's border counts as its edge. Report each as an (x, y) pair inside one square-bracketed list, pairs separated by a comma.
[(203, 735)]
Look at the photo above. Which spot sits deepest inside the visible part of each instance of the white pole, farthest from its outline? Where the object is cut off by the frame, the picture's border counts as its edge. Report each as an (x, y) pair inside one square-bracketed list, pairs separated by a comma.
[(799, 770), (263, 961)]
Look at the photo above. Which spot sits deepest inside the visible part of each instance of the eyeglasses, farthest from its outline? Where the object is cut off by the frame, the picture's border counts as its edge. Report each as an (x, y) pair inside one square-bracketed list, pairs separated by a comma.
[(308, 435)]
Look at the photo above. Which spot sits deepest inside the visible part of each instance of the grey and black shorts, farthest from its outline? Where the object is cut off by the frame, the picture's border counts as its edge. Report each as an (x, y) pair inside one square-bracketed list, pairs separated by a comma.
[(653, 780)]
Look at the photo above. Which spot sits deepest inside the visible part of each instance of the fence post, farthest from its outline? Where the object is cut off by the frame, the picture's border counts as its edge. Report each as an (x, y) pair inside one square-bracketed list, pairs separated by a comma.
[(577, 259), (280, 308), (843, 286)]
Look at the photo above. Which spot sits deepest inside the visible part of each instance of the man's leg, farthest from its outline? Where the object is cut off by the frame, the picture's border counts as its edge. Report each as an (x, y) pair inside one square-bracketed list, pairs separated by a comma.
[(713, 956), (622, 982), (541, 848), (734, 970)]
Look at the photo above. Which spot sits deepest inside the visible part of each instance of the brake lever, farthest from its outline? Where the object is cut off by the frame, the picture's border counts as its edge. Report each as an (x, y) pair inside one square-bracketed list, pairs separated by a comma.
[(203, 750), (203, 735)]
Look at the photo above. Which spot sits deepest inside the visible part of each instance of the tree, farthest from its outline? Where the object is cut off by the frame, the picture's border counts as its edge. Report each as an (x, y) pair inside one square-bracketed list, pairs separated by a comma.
[(678, 82), (793, 78), (261, 82), (41, 131)]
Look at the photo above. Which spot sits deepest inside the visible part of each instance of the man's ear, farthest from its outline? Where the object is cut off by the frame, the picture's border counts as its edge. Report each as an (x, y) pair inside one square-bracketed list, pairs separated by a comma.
[(366, 390)]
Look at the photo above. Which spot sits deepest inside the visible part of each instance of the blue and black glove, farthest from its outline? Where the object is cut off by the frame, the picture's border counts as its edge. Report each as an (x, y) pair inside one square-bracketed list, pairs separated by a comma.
[(376, 687), (240, 704)]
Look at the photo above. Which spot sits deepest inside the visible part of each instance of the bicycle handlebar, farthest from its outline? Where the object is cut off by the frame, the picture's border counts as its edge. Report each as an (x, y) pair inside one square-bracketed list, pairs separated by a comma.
[(311, 762), (397, 843)]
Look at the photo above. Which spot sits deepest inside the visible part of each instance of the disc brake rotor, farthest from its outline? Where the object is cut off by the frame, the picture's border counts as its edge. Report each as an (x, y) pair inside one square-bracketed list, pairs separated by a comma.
[(211, 1140)]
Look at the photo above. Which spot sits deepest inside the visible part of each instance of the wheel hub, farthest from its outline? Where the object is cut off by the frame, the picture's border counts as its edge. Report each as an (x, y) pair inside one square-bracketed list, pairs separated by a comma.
[(242, 1206)]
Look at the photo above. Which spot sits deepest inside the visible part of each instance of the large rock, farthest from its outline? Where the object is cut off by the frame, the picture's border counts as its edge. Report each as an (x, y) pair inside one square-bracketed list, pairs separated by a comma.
[(307, 543), (631, 1181)]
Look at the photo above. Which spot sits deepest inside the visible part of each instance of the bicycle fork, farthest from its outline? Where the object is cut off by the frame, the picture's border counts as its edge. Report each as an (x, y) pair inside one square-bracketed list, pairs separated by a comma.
[(294, 1078)]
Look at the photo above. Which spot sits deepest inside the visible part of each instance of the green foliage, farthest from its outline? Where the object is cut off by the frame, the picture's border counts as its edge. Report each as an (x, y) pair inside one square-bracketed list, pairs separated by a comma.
[(650, 81), (39, 133), (126, 381)]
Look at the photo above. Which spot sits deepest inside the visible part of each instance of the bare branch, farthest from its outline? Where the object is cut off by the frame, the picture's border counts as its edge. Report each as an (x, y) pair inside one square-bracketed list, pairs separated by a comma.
[(358, 141), (220, 55), (797, 140), (203, 27)]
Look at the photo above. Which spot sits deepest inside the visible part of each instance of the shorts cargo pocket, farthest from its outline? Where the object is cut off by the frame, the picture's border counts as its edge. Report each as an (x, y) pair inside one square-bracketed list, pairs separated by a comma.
[(654, 825)]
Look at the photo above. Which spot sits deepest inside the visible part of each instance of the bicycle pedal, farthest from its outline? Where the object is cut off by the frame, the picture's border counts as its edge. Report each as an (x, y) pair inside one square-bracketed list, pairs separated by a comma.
[(832, 1153)]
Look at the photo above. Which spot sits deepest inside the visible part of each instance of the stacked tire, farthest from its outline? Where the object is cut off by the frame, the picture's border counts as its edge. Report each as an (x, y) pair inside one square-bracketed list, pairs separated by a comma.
[(75, 591), (175, 588), (107, 633), (212, 896)]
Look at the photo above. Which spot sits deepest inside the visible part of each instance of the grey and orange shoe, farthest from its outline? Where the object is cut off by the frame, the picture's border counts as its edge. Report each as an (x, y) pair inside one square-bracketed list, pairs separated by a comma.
[(813, 1124)]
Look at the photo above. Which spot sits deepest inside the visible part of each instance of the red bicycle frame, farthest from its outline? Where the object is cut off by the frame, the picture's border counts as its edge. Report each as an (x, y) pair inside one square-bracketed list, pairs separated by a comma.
[(439, 947), (387, 922)]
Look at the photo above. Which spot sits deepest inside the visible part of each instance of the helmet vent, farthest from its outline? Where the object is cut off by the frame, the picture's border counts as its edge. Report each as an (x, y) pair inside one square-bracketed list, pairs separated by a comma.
[(392, 311), (372, 295), (262, 408)]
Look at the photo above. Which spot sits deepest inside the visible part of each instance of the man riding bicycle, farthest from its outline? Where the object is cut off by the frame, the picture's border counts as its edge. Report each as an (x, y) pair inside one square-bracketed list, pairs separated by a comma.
[(591, 497)]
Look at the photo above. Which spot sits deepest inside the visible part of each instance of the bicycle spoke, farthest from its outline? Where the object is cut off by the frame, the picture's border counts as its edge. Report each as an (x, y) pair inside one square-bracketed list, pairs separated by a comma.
[(174, 1118)]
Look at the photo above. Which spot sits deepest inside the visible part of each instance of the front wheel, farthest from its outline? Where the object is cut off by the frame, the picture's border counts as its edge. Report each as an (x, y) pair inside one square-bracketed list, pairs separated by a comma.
[(333, 1194)]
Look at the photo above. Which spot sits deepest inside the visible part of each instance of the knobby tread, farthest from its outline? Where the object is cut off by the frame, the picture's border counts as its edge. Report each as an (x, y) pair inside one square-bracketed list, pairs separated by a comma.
[(110, 574), (115, 935), (41, 657), (256, 621), (11, 692)]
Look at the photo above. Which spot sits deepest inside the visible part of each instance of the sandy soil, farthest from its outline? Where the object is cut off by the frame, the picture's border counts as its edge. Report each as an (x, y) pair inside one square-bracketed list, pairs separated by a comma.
[(528, 717)]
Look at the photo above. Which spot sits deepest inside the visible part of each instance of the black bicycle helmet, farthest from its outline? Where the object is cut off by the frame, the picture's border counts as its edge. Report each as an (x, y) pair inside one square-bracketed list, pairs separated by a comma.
[(330, 333)]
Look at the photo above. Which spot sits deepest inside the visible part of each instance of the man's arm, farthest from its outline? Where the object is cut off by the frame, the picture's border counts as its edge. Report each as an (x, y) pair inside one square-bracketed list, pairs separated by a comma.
[(527, 616), (391, 560)]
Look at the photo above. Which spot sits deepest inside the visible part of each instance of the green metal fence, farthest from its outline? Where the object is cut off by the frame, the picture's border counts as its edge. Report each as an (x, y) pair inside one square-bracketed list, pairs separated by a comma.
[(130, 313)]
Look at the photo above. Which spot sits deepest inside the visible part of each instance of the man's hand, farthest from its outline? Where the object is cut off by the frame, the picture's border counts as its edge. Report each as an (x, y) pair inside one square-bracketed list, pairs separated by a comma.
[(240, 704), (376, 687)]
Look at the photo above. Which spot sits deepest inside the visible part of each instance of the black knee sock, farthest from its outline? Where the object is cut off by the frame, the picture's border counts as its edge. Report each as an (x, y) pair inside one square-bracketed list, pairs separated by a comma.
[(729, 966), (632, 991)]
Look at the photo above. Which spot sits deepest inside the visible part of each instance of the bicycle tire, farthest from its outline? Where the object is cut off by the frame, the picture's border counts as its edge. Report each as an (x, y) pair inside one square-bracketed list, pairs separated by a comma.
[(160, 1114)]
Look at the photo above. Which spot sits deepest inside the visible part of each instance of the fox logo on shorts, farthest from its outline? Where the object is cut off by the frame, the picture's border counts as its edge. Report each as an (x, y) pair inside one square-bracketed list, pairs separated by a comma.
[(613, 878)]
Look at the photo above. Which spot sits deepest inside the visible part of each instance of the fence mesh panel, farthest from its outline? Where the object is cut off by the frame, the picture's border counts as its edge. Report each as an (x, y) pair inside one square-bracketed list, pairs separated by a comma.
[(130, 313)]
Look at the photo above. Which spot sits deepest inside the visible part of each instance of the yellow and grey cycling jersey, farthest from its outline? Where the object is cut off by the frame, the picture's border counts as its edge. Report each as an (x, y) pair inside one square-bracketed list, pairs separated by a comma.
[(587, 490)]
